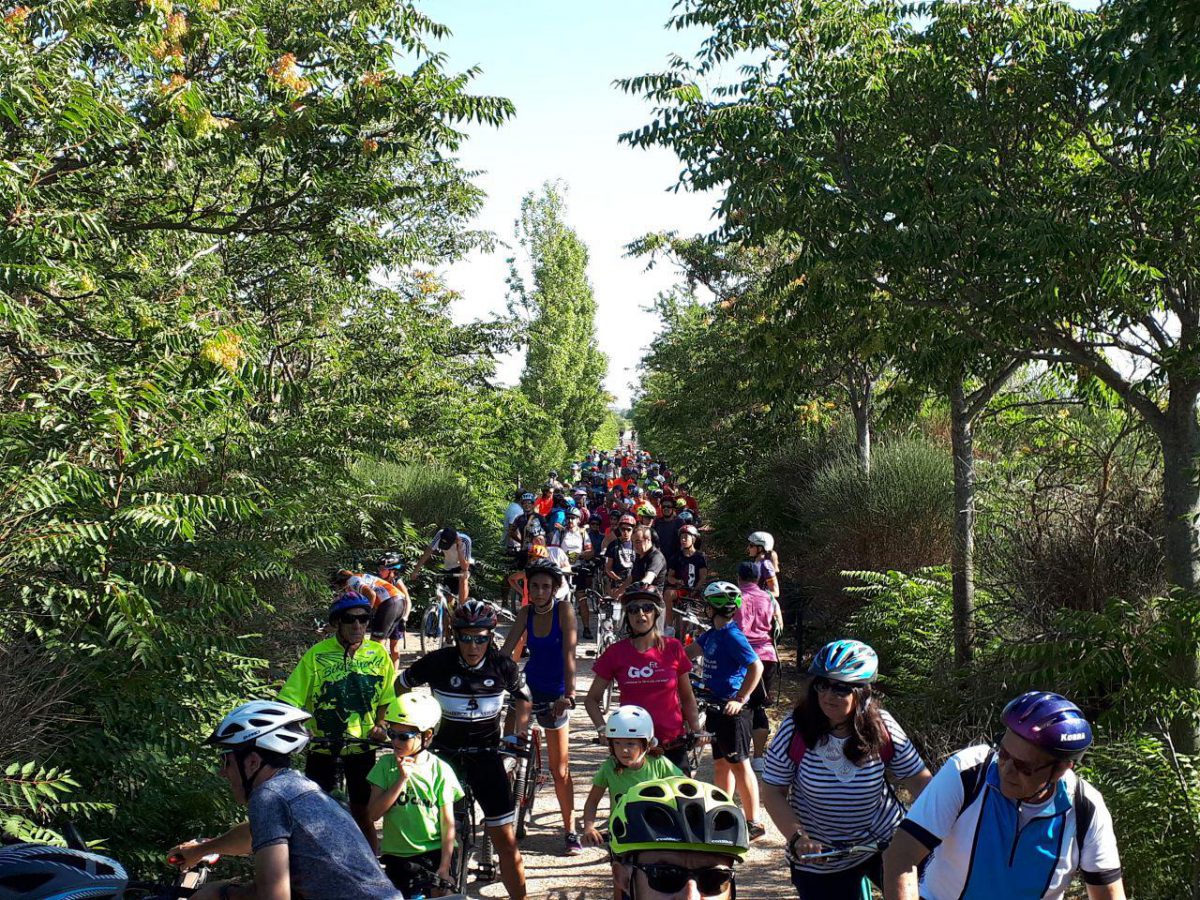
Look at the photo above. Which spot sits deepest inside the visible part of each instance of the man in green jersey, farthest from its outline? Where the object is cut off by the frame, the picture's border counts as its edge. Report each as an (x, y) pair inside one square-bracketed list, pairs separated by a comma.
[(346, 682)]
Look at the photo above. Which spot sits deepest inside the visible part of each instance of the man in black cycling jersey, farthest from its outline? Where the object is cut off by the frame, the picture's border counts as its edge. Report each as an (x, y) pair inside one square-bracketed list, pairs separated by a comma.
[(470, 680)]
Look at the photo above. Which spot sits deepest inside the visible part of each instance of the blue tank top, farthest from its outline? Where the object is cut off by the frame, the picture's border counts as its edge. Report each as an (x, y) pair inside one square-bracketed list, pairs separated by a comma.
[(544, 670)]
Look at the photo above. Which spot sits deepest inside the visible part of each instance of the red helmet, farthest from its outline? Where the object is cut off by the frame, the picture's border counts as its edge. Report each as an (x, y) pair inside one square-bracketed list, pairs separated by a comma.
[(476, 614), (627, 520)]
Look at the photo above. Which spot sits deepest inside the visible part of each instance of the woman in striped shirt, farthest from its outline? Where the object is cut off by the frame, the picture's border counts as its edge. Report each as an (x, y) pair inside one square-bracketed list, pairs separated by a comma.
[(825, 782)]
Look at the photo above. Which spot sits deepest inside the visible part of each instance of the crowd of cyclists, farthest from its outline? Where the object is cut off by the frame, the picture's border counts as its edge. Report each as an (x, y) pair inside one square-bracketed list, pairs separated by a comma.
[(693, 664)]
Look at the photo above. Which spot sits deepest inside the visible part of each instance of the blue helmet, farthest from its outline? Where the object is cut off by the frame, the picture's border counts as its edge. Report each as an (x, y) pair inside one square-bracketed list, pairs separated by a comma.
[(850, 661), (345, 602), (34, 871)]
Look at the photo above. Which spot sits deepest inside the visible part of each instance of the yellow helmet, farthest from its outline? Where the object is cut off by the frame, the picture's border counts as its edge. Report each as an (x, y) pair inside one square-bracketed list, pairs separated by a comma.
[(678, 814), (421, 712)]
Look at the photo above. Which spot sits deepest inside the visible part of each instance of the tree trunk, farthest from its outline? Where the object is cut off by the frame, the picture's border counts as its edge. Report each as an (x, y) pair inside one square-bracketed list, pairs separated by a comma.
[(862, 391), (962, 554), (1180, 439)]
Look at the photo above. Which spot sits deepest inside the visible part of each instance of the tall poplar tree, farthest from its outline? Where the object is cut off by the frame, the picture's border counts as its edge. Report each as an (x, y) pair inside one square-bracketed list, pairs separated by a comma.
[(564, 368)]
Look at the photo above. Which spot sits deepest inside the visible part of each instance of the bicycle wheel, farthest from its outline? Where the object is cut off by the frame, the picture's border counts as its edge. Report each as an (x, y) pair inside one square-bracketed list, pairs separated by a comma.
[(520, 787), (464, 845), (535, 776), (431, 627)]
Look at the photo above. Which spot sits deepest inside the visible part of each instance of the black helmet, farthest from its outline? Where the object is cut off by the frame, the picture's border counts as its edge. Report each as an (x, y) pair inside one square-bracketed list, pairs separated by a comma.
[(391, 560), (446, 537), (545, 567)]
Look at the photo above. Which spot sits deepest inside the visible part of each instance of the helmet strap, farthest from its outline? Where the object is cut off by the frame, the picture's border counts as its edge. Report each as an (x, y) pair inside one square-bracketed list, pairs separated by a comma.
[(248, 781)]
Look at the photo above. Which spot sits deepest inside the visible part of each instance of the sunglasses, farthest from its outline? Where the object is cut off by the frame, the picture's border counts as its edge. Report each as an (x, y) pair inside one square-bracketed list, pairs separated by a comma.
[(356, 620), (477, 639), (636, 608), (1025, 768), (670, 879), (396, 735), (624, 528), (837, 688)]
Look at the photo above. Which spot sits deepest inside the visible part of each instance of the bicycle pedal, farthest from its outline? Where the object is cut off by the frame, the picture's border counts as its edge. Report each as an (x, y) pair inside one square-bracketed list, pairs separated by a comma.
[(485, 873)]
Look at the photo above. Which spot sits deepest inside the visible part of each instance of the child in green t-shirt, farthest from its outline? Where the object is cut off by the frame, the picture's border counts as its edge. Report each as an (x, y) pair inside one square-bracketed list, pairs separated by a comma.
[(630, 734), (414, 792)]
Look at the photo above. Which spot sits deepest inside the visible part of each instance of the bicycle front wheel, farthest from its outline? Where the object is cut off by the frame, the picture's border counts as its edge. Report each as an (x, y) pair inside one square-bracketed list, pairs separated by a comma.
[(431, 629)]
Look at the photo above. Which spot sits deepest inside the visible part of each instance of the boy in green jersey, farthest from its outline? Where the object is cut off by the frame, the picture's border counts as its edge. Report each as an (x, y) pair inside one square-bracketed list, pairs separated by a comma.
[(414, 792)]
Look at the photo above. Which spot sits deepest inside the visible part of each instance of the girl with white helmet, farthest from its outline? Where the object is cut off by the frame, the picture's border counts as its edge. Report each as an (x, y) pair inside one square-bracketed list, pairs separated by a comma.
[(760, 547), (629, 733), (414, 792)]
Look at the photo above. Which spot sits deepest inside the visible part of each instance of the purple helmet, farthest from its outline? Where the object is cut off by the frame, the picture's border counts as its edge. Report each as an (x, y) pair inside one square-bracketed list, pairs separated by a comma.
[(1049, 721)]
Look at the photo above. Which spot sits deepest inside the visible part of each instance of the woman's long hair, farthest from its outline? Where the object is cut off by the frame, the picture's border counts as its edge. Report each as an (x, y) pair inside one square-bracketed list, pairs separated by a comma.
[(867, 730)]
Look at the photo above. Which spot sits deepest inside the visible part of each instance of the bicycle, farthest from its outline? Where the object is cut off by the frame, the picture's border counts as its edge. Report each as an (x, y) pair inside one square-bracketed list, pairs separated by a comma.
[(527, 770), (336, 745), (470, 846), (836, 853), (604, 614), (184, 885), (692, 744), (435, 621)]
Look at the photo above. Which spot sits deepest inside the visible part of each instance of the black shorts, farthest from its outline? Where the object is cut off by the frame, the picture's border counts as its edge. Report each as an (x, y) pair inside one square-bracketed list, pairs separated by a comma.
[(383, 620), (450, 577), (760, 699), (484, 771), (843, 885), (731, 735), (406, 872), (321, 768), (543, 710)]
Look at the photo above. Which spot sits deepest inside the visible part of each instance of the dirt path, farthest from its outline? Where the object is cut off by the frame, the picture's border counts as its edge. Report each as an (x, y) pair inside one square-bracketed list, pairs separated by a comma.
[(552, 876)]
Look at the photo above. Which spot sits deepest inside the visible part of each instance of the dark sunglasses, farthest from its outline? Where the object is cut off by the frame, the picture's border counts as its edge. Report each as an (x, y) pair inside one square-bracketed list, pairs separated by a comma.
[(472, 638), (396, 735), (636, 608), (669, 879), (624, 528), (1025, 768), (837, 688), (356, 620)]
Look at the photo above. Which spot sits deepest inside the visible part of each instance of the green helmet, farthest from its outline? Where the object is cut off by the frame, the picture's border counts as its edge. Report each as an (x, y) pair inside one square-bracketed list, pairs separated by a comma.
[(421, 712), (723, 596), (678, 814)]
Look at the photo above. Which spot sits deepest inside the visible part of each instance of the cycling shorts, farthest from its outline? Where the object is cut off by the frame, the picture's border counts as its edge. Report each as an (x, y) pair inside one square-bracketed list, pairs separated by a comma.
[(383, 620), (450, 577), (485, 773), (846, 883), (543, 711), (731, 735), (322, 768), (760, 699)]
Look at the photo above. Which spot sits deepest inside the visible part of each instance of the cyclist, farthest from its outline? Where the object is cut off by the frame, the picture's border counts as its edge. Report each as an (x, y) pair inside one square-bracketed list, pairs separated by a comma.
[(731, 672), (577, 544), (759, 548), (524, 528), (345, 682), (619, 554), (651, 671), (825, 784), (303, 842), (543, 504), (649, 568), (414, 792), (689, 572), (515, 507), (1012, 821), (455, 550), (629, 734), (759, 617), (666, 530), (470, 680), (385, 598), (547, 628), (677, 838), (390, 566)]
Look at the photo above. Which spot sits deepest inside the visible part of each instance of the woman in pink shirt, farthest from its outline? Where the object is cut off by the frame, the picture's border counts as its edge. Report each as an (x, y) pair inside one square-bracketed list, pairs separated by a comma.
[(650, 670), (758, 616)]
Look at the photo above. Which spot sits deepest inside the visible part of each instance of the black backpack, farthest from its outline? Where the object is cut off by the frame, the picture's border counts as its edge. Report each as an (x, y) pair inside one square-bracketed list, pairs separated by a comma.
[(974, 778)]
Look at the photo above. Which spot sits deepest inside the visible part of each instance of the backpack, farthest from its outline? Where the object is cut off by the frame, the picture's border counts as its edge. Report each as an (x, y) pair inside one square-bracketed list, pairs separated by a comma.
[(975, 777), (797, 748)]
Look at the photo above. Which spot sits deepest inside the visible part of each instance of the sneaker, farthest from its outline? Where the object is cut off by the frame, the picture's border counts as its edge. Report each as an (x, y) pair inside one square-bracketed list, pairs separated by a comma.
[(758, 764), (573, 847), (587, 634), (756, 829)]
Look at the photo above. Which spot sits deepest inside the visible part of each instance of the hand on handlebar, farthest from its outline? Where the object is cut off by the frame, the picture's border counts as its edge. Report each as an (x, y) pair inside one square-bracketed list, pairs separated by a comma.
[(802, 845), (189, 854)]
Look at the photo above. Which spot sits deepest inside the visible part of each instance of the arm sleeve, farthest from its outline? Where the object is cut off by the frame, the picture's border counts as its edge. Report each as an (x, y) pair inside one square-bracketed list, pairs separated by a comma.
[(934, 813), (298, 688), (1100, 863), (779, 769), (600, 779), (606, 665), (906, 761), (378, 775), (270, 820)]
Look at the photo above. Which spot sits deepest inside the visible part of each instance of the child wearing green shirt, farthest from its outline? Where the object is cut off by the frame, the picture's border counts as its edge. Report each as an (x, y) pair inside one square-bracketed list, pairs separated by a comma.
[(414, 792), (630, 734)]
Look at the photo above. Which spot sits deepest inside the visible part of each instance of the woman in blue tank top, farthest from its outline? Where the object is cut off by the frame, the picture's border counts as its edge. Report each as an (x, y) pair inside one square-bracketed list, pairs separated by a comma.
[(547, 627)]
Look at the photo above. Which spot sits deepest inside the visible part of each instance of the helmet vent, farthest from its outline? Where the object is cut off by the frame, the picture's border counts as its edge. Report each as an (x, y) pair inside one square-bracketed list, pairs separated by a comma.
[(618, 827), (724, 820), (688, 789), (694, 814), (24, 883), (652, 790), (659, 821), (719, 794)]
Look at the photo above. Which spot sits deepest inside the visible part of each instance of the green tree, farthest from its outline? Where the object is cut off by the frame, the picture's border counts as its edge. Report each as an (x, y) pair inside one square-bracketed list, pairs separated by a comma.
[(564, 367)]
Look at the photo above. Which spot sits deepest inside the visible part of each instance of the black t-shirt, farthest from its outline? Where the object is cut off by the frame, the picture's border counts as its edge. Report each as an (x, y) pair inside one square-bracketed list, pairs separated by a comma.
[(622, 556), (523, 525), (652, 561), (687, 568), (472, 700), (667, 532)]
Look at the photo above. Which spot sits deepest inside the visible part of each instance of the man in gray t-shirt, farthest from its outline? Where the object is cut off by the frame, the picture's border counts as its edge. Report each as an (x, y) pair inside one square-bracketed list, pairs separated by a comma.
[(303, 841)]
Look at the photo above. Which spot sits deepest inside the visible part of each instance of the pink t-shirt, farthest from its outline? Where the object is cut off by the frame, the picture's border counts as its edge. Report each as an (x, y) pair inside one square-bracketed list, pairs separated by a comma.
[(755, 618), (649, 680)]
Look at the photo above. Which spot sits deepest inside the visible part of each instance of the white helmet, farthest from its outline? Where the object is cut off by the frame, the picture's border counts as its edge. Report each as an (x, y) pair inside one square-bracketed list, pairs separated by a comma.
[(762, 539), (630, 722), (263, 724)]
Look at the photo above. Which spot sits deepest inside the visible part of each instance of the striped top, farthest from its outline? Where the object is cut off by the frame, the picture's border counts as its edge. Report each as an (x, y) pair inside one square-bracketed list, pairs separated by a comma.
[(836, 801)]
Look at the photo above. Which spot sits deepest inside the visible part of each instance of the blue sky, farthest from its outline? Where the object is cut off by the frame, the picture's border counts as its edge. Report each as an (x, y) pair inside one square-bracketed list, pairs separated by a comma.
[(556, 61)]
